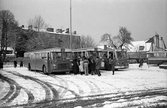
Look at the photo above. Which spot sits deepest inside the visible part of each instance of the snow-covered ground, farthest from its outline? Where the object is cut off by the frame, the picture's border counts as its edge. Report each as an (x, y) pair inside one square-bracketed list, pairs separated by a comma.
[(39, 87)]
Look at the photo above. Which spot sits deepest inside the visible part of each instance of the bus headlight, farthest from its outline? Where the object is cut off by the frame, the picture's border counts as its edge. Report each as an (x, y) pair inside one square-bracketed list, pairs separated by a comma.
[(55, 66)]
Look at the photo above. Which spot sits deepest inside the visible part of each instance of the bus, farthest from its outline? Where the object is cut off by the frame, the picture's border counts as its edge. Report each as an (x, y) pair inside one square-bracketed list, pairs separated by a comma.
[(134, 57), (157, 57), (49, 60), (120, 56), (10, 54)]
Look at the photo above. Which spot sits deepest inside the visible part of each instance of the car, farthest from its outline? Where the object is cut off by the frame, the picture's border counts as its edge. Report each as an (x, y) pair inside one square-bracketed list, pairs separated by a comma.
[(163, 65)]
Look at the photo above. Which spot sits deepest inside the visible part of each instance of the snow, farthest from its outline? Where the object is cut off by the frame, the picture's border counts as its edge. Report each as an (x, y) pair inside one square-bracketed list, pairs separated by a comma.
[(126, 82)]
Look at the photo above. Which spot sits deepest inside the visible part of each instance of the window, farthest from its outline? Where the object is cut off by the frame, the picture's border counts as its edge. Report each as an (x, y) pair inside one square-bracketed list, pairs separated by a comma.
[(56, 55), (121, 54)]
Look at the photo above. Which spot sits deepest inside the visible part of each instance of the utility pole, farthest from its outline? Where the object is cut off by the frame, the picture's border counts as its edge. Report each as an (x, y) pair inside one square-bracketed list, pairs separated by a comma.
[(70, 25)]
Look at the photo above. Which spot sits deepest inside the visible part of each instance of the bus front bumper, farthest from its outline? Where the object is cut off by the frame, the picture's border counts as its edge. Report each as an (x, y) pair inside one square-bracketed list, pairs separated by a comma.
[(121, 67)]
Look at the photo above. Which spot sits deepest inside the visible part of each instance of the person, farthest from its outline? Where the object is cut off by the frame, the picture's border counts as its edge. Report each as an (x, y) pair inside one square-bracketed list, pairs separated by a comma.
[(15, 63), (92, 65), (81, 66), (21, 63), (141, 62), (106, 62), (98, 65), (85, 66), (1, 64), (75, 66), (112, 62)]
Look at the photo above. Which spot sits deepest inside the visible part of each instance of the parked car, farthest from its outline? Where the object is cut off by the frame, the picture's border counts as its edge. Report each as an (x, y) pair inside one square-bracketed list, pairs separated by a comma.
[(163, 65)]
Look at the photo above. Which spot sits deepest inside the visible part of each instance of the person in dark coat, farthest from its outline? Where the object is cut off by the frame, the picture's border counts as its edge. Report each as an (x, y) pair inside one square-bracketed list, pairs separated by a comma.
[(112, 62), (15, 63), (1, 64), (106, 62), (141, 62), (92, 65), (75, 66), (21, 63)]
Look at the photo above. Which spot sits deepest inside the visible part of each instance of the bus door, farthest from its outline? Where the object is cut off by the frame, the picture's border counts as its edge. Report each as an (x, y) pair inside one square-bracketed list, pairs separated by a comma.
[(49, 62)]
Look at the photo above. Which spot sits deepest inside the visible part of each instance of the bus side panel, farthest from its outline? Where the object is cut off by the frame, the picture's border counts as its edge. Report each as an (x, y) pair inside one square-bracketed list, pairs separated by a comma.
[(25, 62), (156, 60)]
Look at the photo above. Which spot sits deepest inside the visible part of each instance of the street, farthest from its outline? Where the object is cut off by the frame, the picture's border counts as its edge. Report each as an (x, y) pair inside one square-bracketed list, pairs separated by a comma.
[(131, 87)]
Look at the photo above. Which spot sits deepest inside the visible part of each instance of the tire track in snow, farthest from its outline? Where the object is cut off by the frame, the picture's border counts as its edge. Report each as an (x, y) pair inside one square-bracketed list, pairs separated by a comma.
[(94, 87), (48, 88), (12, 94), (108, 84), (65, 87)]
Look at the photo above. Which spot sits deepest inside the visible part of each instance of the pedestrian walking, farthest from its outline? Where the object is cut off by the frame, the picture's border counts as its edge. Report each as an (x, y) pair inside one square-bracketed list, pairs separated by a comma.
[(141, 62), (112, 62), (85, 66), (15, 63), (21, 63), (1, 64), (98, 65)]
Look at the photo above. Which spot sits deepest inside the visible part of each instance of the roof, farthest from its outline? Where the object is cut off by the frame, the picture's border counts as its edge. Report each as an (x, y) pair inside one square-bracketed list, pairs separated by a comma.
[(136, 44), (8, 48)]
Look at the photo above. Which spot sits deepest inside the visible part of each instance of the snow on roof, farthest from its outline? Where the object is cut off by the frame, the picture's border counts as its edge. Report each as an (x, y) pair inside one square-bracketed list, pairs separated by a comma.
[(136, 44), (8, 48)]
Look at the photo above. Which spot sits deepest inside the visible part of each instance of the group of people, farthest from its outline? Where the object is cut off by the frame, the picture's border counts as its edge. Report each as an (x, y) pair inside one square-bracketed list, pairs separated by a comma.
[(15, 63), (87, 66)]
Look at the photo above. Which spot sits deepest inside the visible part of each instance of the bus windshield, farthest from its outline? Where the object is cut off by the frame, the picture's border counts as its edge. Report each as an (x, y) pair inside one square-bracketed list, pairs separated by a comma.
[(59, 55), (56, 55), (121, 54)]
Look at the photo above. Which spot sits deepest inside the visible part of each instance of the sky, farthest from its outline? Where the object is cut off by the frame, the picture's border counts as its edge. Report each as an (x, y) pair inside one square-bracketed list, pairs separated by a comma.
[(143, 18)]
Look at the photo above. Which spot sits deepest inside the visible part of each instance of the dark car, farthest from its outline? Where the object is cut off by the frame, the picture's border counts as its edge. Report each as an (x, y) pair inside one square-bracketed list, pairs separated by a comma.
[(163, 65)]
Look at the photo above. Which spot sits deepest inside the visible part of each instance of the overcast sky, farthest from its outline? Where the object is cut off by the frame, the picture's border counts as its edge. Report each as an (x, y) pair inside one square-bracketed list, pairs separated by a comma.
[(96, 17)]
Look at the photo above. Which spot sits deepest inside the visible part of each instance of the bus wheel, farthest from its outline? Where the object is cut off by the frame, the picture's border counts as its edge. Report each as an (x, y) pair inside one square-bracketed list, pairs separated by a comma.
[(29, 67), (44, 70)]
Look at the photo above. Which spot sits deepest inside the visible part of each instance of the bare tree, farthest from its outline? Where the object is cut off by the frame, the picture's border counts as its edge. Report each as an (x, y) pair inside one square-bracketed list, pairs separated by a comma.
[(124, 36), (38, 23), (107, 38), (87, 41), (122, 39), (7, 22)]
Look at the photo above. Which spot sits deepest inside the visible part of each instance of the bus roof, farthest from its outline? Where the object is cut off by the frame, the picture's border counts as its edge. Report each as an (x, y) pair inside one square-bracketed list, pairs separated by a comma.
[(86, 49), (157, 52), (50, 50)]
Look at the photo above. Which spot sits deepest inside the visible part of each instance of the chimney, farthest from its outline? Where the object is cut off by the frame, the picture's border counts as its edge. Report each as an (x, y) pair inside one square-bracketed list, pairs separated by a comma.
[(50, 29), (157, 40), (105, 47), (30, 27)]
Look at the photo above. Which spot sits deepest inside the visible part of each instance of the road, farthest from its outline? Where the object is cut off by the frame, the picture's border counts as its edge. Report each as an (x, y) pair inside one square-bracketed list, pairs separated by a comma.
[(134, 86)]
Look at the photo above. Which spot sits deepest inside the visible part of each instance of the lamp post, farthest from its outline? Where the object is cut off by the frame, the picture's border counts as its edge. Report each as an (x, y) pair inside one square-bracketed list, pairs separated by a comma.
[(70, 25)]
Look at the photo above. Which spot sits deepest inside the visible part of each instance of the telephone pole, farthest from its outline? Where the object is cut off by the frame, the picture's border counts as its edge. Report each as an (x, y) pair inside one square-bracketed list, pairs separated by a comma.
[(70, 25)]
